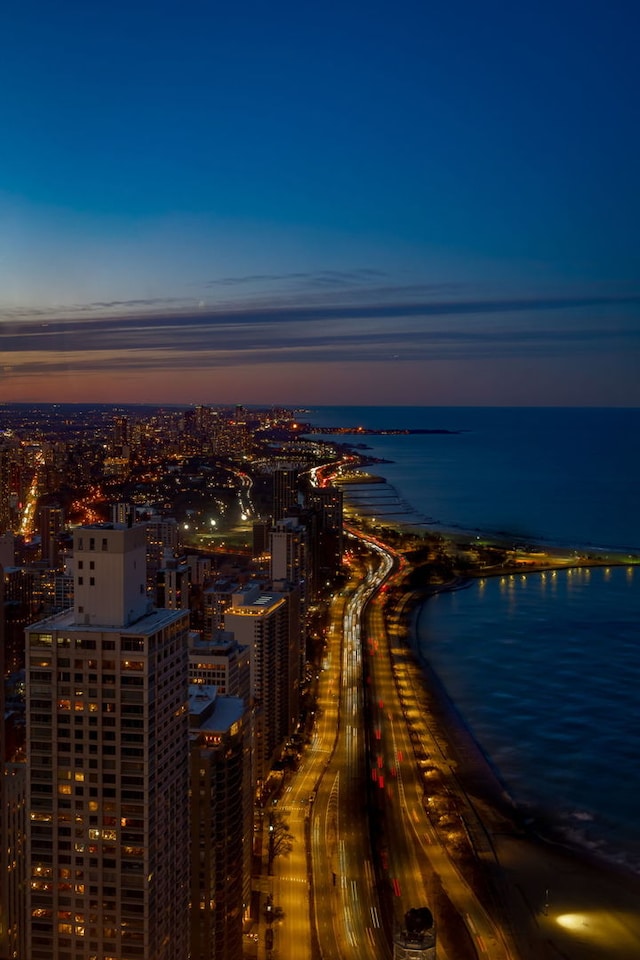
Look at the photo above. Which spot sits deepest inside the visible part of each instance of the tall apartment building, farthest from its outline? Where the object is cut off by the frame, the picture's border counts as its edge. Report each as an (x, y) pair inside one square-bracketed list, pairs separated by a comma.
[(285, 491), (163, 540), (7, 548), (18, 610), (221, 823), (290, 555), (51, 526), (53, 469), (199, 569), (261, 623), (222, 663), (12, 809), (328, 543), (14, 479), (13, 882), (121, 430), (108, 768), (172, 585), (291, 549), (217, 599), (123, 512)]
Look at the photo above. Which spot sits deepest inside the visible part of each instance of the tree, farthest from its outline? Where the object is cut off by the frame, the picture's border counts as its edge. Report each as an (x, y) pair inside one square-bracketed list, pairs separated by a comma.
[(280, 840)]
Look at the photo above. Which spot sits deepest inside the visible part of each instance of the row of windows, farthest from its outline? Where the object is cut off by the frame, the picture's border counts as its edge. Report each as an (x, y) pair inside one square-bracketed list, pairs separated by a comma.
[(127, 644), (132, 813), (92, 543), (132, 952), (45, 640), (81, 664)]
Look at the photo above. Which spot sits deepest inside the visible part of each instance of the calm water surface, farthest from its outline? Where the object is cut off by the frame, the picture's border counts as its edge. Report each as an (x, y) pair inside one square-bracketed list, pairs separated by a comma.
[(566, 476), (544, 668)]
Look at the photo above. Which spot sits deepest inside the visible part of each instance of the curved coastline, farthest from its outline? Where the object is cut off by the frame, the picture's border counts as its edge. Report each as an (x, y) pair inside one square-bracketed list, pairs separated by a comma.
[(414, 521), (565, 896), (565, 901)]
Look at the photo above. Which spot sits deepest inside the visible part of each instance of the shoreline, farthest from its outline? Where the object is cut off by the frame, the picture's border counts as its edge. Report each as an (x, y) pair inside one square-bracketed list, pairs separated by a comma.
[(589, 552), (559, 901)]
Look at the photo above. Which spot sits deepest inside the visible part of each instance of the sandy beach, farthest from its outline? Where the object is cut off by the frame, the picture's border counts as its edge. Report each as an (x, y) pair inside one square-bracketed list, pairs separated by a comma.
[(558, 903)]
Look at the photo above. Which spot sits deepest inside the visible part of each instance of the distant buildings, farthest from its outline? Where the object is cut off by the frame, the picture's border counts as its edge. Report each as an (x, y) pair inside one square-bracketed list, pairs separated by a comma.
[(15, 474), (137, 800), (132, 761)]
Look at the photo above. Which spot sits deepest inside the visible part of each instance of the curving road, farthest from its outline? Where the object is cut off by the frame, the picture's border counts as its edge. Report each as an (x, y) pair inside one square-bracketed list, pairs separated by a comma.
[(347, 909), (365, 850)]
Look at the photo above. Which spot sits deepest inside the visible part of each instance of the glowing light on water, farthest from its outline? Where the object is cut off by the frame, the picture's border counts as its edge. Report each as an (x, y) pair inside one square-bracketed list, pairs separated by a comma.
[(612, 928), (573, 921)]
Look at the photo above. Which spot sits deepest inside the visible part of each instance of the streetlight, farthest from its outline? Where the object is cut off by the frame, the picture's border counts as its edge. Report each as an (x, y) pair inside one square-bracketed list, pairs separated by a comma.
[(271, 844)]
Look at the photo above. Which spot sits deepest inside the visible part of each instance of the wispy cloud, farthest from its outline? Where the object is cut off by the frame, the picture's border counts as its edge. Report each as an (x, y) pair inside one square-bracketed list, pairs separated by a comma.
[(321, 277), (420, 330), (348, 320)]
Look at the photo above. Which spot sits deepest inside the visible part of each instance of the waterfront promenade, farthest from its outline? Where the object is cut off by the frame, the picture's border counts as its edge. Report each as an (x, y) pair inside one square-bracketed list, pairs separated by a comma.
[(561, 903)]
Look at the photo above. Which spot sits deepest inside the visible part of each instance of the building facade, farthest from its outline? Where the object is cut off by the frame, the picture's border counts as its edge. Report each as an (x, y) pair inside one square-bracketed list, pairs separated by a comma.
[(108, 771), (261, 623), (221, 823)]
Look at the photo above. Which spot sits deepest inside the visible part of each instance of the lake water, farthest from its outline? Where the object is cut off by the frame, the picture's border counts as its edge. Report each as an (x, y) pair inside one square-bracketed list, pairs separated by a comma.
[(544, 668)]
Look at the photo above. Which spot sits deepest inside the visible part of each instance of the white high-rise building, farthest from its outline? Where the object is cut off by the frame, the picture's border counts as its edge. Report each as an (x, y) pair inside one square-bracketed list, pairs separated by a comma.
[(260, 622), (288, 545), (108, 780)]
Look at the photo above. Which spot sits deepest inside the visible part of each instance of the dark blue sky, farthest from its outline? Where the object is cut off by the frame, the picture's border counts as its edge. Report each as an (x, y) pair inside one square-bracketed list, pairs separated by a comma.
[(248, 164)]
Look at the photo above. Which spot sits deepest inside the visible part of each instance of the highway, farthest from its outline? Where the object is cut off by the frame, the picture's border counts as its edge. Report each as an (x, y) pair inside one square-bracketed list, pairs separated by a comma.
[(347, 910), (418, 860), (362, 776)]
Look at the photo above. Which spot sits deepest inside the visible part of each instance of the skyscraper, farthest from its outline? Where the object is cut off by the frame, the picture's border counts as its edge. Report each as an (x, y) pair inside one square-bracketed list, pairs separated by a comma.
[(261, 623), (108, 782), (51, 525), (285, 491), (221, 822), (328, 544)]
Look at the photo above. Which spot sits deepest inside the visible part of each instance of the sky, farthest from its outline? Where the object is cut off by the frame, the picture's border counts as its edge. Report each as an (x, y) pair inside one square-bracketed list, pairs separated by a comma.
[(308, 203)]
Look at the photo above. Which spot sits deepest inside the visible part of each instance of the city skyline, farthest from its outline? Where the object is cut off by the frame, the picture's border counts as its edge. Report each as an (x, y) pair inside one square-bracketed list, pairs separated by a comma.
[(325, 790), (350, 206)]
